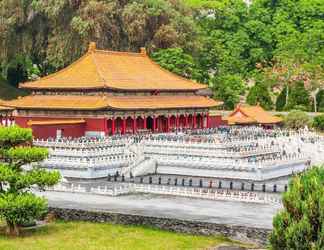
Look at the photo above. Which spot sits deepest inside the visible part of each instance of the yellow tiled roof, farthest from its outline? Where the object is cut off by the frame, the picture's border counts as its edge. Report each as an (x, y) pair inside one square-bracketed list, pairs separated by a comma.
[(55, 122), (240, 120), (161, 102), (74, 102), (59, 102), (114, 70), (256, 113), (3, 107)]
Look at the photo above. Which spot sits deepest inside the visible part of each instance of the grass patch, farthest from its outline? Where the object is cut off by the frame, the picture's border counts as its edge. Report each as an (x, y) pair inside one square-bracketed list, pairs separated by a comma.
[(98, 236), (8, 92)]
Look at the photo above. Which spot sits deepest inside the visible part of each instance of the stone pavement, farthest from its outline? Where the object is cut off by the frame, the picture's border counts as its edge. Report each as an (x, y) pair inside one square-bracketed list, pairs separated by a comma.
[(220, 212)]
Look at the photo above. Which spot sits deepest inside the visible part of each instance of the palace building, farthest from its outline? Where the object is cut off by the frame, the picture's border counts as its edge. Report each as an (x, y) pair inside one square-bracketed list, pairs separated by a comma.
[(106, 93), (252, 115)]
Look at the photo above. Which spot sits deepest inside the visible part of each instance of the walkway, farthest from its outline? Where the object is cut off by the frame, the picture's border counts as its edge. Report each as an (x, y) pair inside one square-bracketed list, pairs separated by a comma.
[(221, 212)]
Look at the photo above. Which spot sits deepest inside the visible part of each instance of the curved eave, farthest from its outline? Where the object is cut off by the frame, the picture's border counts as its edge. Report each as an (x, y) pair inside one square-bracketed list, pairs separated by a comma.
[(160, 108), (25, 86), (57, 108)]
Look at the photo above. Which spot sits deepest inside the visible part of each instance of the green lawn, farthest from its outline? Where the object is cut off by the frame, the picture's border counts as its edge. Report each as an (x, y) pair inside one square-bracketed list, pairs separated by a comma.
[(86, 235)]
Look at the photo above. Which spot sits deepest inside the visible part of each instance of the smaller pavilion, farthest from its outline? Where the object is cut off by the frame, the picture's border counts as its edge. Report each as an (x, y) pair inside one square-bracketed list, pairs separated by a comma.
[(248, 115)]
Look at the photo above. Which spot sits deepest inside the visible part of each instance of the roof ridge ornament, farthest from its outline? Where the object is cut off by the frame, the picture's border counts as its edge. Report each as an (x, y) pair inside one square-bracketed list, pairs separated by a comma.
[(92, 47)]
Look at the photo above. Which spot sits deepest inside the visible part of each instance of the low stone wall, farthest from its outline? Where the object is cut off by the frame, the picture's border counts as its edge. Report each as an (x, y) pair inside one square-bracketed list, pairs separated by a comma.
[(247, 234)]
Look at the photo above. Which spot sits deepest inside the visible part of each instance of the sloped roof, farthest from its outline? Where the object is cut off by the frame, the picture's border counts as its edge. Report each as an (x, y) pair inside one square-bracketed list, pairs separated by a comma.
[(252, 113), (59, 102), (3, 107), (161, 102), (74, 102), (239, 120), (113, 70)]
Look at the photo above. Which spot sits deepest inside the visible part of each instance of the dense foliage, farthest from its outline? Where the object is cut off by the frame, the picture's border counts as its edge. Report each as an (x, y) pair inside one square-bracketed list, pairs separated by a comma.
[(297, 119), (280, 42), (259, 94), (318, 122), (300, 225), (18, 206)]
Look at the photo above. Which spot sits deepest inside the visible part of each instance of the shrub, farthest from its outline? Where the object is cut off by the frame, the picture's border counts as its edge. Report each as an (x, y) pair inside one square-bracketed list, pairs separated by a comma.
[(300, 225), (318, 122), (297, 119)]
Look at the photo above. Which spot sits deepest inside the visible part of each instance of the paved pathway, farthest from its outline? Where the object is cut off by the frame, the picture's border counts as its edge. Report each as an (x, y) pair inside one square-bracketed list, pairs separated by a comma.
[(223, 212)]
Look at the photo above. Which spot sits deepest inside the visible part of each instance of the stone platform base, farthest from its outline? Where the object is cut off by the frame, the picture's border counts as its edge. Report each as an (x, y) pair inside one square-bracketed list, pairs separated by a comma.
[(242, 233)]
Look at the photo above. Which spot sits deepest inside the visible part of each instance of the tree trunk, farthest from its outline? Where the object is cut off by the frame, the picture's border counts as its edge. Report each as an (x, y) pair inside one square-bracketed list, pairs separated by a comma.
[(12, 229), (287, 95), (314, 94)]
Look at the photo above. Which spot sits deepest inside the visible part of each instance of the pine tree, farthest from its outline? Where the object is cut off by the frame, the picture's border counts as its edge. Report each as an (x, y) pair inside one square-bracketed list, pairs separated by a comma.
[(18, 205)]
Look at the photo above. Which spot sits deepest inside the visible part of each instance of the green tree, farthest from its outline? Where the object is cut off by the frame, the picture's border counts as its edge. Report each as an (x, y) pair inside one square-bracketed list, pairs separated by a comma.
[(300, 225), (17, 204), (299, 97), (318, 122), (179, 62), (259, 94), (228, 88), (297, 119), (281, 99), (320, 100), (21, 69)]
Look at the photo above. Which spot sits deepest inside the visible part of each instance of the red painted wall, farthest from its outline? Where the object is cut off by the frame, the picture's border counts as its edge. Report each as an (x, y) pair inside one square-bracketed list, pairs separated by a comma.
[(68, 130), (96, 124), (43, 132), (22, 121), (216, 121)]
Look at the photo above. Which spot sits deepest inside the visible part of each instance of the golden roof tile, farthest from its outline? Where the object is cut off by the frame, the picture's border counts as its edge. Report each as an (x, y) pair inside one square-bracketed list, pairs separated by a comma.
[(256, 113), (59, 102), (161, 102), (74, 102), (99, 69), (3, 107)]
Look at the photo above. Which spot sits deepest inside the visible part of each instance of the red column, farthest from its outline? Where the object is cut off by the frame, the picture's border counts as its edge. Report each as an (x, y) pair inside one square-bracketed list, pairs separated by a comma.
[(1, 118), (154, 123), (134, 125), (177, 122), (207, 120), (194, 121), (186, 121), (202, 120), (124, 126), (106, 126), (144, 125), (168, 124), (6, 121), (113, 126)]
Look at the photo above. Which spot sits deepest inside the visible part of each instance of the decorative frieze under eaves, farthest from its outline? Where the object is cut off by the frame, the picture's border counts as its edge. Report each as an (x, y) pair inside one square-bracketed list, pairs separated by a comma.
[(106, 114)]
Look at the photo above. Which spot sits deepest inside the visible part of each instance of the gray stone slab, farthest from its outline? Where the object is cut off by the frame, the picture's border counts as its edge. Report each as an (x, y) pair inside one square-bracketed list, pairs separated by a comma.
[(220, 212)]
